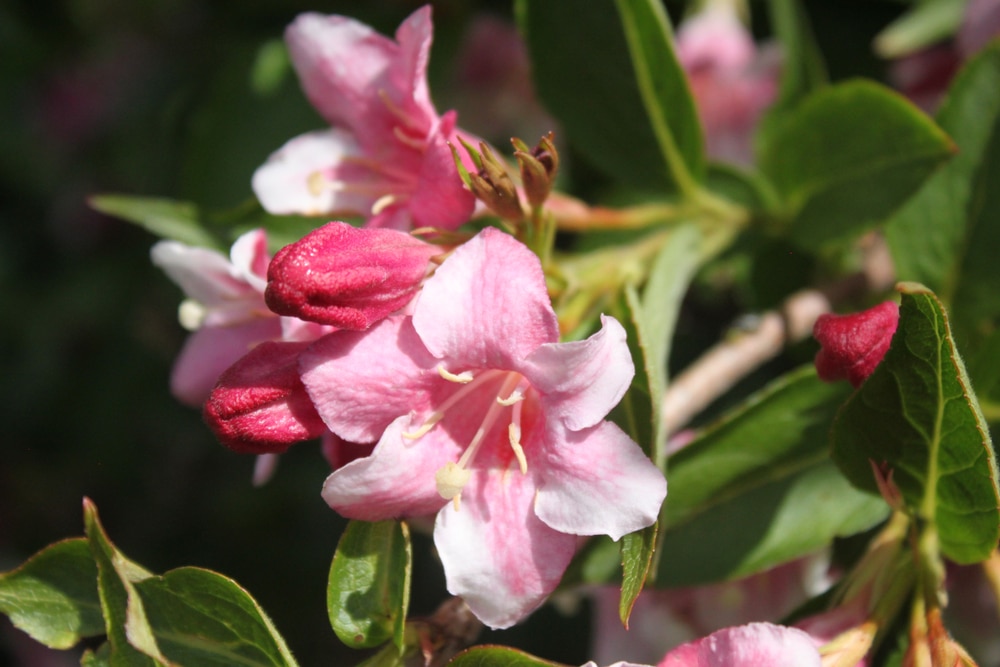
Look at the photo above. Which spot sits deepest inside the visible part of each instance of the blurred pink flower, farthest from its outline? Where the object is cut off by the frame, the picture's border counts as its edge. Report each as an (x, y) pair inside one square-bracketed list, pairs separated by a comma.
[(485, 419), (752, 645), (732, 80), (386, 156)]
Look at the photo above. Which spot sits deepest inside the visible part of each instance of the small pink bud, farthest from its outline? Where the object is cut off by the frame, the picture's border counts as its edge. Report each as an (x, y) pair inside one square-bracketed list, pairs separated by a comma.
[(259, 405), (347, 277), (853, 345)]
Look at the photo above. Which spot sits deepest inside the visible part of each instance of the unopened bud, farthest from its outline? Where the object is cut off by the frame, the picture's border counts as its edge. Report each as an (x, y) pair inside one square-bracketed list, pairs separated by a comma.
[(538, 168), (853, 345), (347, 277), (259, 405)]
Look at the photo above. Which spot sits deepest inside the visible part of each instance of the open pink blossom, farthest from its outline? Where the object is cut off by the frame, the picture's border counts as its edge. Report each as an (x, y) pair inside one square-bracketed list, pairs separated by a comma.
[(485, 419), (752, 645), (347, 277), (386, 156), (732, 80), (225, 310), (854, 344)]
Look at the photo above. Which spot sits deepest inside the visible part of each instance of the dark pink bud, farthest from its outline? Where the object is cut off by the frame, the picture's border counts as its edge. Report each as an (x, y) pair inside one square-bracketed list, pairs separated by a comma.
[(347, 277), (853, 345), (259, 405)]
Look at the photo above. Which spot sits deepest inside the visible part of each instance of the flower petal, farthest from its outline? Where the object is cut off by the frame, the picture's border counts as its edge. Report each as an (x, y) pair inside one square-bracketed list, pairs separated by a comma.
[(496, 553), (596, 482), (487, 305), (303, 177), (440, 198), (205, 275), (397, 480), (361, 381), (250, 258), (752, 645), (583, 380)]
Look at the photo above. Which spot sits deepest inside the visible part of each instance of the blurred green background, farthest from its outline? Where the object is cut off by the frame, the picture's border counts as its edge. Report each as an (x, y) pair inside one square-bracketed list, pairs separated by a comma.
[(183, 99)]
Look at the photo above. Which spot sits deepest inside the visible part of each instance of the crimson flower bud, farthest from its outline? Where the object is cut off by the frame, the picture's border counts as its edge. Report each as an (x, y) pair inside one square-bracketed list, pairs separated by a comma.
[(259, 405), (853, 345), (347, 277)]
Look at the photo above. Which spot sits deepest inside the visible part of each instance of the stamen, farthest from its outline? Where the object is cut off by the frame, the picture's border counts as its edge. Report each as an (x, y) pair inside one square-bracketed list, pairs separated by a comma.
[(191, 314), (515, 396), (425, 427), (403, 117), (461, 378), (413, 142), (450, 479), (383, 202), (514, 434), (438, 414)]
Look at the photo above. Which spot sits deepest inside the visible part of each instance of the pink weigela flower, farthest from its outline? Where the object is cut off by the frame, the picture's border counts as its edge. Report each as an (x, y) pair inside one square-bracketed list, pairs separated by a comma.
[(485, 419), (225, 310), (752, 645), (386, 156)]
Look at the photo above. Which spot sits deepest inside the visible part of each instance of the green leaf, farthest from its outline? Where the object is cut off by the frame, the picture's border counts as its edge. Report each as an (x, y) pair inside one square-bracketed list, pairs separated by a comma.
[(188, 616), (803, 71), (53, 595), (637, 559), (369, 587), (655, 316), (614, 112), (167, 218), (498, 656), (129, 635), (917, 415), (201, 617), (757, 489), (846, 157), (946, 236), (99, 658)]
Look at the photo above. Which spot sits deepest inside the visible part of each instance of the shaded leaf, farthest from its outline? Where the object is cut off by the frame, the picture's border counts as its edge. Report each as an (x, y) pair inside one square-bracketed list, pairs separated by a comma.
[(946, 236), (803, 71), (917, 415), (846, 157), (166, 218), (368, 591), (757, 489), (637, 559), (596, 94), (924, 24), (53, 595)]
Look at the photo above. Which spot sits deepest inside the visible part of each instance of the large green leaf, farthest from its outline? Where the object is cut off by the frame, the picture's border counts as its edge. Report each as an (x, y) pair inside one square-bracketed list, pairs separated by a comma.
[(187, 616), (947, 235), (757, 489), (53, 595), (616, 112), (847, 157), (167, 218), (803, 71), (917, 416), (369, 587)]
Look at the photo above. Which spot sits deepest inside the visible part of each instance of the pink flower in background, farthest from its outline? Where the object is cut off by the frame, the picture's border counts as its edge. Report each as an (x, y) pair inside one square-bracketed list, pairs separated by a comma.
[(347, 277), (485, 419), (853, 345), (753, 645), (732, 81), (225, 310), (386, 156)]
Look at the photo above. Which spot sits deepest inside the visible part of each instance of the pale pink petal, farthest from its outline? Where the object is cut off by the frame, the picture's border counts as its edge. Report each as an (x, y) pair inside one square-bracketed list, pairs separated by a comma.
[(294, 329), (409, 70), (440, 198), (497, 555), (302, 176), (617, 664), (210, 351), (582, 381), (487, 305), (360, 382), (595, 482), (396, 481), (250, 258), (206, 276), (753, 645)]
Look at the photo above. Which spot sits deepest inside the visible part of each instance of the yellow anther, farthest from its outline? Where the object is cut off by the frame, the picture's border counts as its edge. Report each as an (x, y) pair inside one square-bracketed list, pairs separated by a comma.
[(450, 479), (515, 396), (383, 202), (425, 427), (462, 378)]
